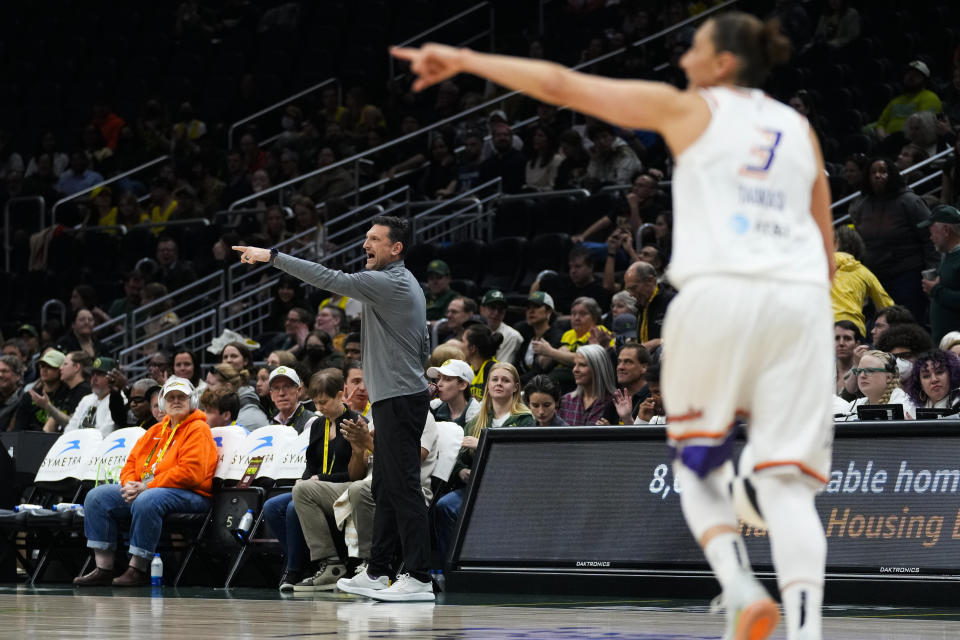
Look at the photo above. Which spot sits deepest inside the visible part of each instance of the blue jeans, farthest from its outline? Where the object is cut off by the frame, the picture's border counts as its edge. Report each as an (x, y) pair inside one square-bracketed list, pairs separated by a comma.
[(280, 514), (445, 514), (104, 505)]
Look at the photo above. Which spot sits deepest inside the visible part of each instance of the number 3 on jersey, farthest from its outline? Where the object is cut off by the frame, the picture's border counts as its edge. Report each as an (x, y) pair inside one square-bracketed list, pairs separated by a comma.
[(763, 154)]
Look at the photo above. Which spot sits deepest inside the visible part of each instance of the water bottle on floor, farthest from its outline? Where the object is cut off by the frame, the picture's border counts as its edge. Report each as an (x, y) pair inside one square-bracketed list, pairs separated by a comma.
[(243, 529), (156, 571)]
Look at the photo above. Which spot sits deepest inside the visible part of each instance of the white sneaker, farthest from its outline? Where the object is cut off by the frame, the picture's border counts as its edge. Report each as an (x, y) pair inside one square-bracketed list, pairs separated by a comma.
[(362, 584), (406, 589), (324, 580), (751, 613)]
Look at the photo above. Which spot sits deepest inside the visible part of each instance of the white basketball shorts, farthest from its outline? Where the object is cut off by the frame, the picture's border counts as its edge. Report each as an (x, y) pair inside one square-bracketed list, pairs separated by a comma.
[(738, 349)]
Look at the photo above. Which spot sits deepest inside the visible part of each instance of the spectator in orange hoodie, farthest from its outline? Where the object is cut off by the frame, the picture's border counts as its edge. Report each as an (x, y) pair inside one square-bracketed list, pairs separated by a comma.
[(169, 470)]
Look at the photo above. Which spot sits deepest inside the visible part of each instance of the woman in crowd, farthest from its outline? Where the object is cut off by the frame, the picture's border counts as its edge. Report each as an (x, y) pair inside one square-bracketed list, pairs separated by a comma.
[(186, 365), (281, 358), (251, 414), (163, 316), (934, 381), (853, 283), (440, 178), (237, 355), (621, 303), (539, 326), (542, 395), (318, 352), (544, 160), (480, 346), (502, 406), (897, 251), (585, 317), (879, 382), (575, 161), (453, 402), (80, 337), (287, 295), (592, 400), (330, 458), (176, 478)]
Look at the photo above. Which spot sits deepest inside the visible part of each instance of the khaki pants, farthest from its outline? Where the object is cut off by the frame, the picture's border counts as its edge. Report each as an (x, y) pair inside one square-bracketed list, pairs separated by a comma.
[(313, 500)]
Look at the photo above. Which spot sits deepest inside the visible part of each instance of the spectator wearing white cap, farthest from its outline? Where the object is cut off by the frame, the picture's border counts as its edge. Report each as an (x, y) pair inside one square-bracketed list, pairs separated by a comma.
[(285, 392), (453, 402), (537, 328), (915, 97), (493, 307)]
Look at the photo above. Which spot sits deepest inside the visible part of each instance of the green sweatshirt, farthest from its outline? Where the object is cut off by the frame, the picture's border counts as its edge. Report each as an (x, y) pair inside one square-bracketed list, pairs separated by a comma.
[(945, 297)]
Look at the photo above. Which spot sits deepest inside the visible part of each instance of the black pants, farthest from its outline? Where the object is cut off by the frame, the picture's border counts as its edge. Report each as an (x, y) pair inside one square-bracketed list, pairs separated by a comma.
[(401, 514)]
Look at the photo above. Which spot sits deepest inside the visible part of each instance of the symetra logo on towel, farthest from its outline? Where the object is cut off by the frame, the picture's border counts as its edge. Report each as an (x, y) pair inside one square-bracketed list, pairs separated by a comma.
[(119, 443), (219, 441), (74, 444), (267, 442)]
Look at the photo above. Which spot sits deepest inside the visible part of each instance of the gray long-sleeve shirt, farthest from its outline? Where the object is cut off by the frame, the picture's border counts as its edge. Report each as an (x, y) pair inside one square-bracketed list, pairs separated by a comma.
[(393, 335)]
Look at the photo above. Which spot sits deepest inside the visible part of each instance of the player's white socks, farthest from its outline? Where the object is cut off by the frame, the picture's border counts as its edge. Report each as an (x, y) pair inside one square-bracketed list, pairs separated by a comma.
[(706, 504), (799, 550), (727, 556), (802, 605)]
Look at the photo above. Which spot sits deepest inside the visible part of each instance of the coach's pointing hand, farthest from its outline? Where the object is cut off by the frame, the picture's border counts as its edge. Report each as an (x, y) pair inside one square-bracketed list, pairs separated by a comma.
[(251, 255)]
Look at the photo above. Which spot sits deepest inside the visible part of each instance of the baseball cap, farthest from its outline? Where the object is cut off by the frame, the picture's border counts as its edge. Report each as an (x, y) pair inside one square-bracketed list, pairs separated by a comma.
[(542, 298), (104, 365), (941, 213), (492, 297), (53, 358), (28, 328), (921, 67), (176, 383), (438, 266), (452, 368), (285, 372), (625, 325)]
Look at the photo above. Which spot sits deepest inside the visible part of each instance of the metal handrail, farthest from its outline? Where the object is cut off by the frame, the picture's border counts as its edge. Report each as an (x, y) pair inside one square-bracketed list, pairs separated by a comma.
[(119, 176), (466, 112), (282, 103), (853, 196), (53, 302), (7, 245), (140, 311), (224, 310), (439, 26), (95, 228), (233, 278), (132, 365), (511, 197), (203, 222)]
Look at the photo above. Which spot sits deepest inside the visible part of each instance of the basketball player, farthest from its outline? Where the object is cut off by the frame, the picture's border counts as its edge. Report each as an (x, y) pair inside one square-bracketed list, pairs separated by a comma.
[(752, 259)]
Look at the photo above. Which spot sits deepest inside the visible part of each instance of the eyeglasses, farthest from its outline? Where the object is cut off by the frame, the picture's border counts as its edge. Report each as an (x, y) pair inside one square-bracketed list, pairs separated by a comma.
[(868, 370), (905, 355), (137, 399)]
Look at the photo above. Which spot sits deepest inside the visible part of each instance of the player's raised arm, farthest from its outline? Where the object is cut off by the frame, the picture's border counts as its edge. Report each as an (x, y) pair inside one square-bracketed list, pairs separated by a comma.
[(634, 104), (820, 205)]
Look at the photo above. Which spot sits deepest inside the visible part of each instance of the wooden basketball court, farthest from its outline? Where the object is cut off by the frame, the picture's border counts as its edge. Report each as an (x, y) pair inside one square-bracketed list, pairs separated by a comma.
[(192, 613)]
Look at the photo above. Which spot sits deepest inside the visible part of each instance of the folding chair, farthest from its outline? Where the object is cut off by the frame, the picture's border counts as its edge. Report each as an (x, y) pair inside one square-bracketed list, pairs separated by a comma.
[(284, 460), (58, 480), (62, 527)]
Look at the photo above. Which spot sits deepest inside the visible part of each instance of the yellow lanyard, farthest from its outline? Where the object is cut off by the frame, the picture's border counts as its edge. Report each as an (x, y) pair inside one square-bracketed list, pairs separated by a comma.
[(644, 325), (326, 446), (162, 451)]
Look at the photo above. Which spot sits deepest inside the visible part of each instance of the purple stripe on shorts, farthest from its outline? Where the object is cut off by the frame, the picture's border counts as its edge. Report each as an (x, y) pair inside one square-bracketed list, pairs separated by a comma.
[(703, 459)]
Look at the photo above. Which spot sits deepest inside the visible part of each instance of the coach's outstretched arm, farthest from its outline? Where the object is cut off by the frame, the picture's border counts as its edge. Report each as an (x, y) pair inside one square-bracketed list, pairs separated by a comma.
[(636, 104), (366, 286)]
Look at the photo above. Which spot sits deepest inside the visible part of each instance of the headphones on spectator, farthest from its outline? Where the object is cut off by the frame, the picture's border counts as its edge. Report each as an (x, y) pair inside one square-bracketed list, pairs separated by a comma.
[(176, 383)]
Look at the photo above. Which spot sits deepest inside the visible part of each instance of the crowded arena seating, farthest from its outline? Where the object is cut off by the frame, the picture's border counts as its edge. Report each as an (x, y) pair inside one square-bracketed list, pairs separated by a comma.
[(139, 144)]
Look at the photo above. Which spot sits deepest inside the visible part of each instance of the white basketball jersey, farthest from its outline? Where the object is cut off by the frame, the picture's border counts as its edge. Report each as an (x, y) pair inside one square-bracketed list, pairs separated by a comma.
[(742, 194)]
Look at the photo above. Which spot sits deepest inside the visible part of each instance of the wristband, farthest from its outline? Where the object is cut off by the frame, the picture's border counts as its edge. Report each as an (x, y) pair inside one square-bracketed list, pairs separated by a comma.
[(274, 252)]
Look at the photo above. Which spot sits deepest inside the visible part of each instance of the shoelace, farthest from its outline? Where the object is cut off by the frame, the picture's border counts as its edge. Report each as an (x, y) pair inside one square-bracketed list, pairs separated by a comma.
[(361, 569), (322, 568), (401, 580)]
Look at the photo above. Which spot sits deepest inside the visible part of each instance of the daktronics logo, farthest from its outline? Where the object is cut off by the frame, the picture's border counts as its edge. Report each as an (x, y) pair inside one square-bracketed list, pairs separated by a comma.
[(899, 569), (592, 563)]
